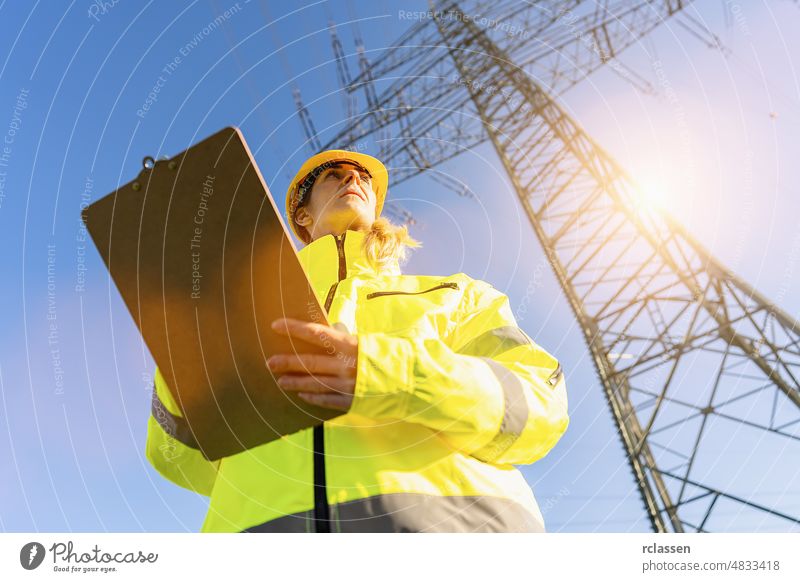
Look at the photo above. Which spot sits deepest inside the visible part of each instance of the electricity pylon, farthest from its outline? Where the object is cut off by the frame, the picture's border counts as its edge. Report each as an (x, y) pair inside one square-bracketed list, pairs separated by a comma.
[(692, 359)]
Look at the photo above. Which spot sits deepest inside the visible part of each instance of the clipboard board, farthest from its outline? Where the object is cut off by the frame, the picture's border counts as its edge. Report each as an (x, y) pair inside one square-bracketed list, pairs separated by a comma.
[(201, 256)]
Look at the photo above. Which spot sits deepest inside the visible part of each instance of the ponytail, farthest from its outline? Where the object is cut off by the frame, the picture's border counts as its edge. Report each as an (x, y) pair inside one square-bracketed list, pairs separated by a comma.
[(386, 241)]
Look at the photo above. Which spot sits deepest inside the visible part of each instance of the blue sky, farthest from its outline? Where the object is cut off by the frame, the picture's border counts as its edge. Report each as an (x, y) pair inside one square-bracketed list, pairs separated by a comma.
[(718, 144)]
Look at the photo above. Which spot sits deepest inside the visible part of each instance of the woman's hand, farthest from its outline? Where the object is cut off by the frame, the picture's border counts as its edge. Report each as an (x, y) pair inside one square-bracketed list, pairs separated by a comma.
[(327, 380)]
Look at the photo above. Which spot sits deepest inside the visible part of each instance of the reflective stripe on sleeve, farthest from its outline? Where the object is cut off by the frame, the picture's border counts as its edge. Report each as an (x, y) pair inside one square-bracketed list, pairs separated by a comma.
[(174, 426), (495, 341), (515, 412)]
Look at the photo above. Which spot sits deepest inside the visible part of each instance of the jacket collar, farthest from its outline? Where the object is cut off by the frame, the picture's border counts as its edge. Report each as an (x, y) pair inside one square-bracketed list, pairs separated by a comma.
[(334, 257)]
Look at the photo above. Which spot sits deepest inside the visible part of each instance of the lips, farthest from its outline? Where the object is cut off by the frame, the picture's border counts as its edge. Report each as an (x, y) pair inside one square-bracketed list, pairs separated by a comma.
[(352, 191)]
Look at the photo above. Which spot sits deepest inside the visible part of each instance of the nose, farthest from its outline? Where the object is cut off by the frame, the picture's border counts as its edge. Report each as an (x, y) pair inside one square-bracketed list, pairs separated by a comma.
[(352, 174)]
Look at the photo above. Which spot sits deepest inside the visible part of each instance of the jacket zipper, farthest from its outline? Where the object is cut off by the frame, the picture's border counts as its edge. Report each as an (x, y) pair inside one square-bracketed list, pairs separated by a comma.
[(440, 286), (322, 512)]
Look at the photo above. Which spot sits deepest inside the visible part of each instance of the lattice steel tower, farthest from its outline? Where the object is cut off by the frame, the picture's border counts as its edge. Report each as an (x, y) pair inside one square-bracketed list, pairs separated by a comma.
[(690, 356)]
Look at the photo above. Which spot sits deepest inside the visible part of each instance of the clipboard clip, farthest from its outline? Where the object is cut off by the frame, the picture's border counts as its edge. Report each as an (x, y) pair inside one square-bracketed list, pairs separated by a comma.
[(148, 163)]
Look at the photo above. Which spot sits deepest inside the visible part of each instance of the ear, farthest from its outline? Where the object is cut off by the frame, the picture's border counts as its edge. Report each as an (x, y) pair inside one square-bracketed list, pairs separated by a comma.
[(302, 217)]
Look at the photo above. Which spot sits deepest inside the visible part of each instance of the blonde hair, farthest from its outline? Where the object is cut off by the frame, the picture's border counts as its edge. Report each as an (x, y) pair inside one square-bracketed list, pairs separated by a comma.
[(386, 242)]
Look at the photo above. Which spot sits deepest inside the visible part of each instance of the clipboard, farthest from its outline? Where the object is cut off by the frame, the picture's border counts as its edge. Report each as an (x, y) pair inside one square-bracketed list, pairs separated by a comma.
[(201, 256)]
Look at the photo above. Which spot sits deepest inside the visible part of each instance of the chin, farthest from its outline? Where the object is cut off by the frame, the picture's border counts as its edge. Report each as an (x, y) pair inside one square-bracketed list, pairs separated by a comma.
[(351, 215)]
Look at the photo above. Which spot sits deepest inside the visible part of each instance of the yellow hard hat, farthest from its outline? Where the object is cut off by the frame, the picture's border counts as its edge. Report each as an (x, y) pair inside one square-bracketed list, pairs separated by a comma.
[(380, 181)]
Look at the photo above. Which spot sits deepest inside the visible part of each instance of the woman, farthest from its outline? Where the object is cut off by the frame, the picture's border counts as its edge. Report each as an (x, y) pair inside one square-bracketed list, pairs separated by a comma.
[(441, 392)]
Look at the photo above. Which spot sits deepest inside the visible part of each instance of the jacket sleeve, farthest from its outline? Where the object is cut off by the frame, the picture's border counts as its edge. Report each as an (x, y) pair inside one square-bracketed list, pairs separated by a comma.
[(487, 388), (170, 447)]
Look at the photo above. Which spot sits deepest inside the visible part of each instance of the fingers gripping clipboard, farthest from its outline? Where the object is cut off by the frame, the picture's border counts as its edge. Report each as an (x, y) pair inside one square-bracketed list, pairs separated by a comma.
[(201, 256)]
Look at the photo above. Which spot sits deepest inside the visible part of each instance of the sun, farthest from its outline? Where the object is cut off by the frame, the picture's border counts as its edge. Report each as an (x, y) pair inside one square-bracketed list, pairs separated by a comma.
[(652, 191)]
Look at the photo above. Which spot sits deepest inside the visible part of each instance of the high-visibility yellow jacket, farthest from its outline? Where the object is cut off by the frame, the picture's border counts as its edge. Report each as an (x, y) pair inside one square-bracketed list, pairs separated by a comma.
[(450, 394)]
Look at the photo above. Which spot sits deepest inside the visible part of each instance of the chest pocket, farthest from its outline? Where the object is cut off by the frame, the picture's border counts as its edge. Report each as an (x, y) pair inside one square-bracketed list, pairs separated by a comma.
[(424, 312)]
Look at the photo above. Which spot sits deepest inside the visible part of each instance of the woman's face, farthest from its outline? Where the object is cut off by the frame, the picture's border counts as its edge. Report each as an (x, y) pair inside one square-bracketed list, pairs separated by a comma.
[(341, 199)]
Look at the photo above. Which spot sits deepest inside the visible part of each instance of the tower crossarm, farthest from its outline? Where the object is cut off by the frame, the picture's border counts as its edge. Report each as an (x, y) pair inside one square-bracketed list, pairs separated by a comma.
[(414, 83)]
